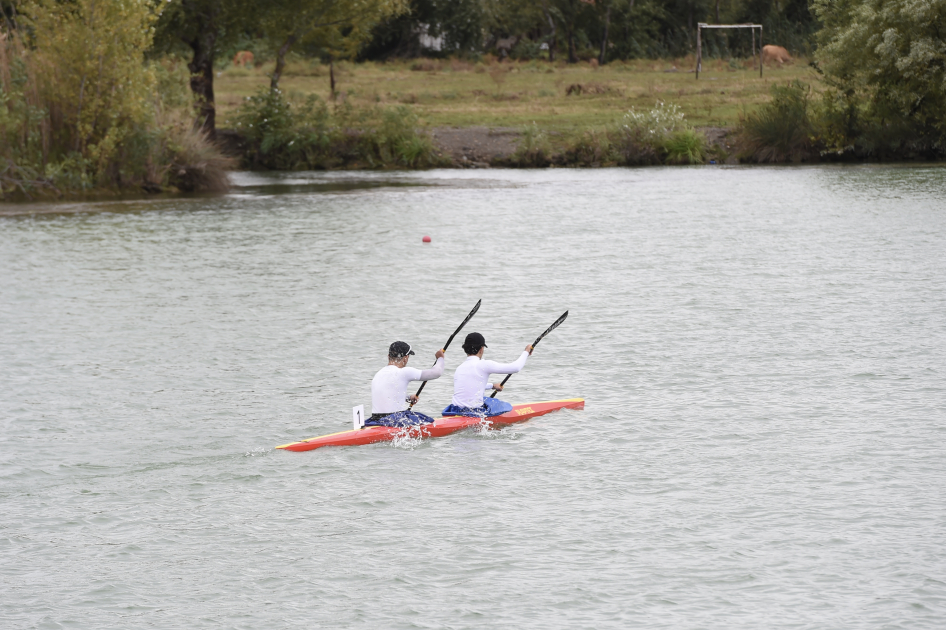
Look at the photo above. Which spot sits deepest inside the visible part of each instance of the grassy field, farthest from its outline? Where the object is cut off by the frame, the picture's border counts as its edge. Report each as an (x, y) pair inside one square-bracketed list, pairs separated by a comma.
[(514, 94)]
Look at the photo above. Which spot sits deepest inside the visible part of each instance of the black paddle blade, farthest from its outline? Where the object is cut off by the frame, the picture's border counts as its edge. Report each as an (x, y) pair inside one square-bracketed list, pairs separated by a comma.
[(455, 332), (547, 331), (468, 318), (551, 328)]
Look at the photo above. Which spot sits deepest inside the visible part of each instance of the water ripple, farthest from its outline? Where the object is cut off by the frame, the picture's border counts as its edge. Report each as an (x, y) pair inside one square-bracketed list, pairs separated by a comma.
[(762, 351)]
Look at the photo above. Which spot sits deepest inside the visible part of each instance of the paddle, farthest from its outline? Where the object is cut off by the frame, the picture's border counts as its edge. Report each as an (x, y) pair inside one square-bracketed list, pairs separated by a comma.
[(455, 333), (534, 344)]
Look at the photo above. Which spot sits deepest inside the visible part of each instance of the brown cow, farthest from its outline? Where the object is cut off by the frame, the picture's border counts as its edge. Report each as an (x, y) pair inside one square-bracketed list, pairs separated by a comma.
[(775, 53), (245, 58)]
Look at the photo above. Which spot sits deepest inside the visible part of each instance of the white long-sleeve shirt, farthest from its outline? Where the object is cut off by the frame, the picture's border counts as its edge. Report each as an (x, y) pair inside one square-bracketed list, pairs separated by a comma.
[(389, 385), (472, 378)]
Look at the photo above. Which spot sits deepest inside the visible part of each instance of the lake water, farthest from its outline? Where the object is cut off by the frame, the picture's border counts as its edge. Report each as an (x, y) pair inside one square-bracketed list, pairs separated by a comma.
[(762, 350)]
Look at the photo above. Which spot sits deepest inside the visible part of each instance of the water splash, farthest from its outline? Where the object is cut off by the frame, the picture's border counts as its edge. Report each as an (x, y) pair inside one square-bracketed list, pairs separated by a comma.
[(408, 438), (484, 427)]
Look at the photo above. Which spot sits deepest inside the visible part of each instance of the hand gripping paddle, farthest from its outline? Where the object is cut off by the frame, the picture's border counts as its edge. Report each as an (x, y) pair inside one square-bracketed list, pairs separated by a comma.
[(534, 344), (455, 333)]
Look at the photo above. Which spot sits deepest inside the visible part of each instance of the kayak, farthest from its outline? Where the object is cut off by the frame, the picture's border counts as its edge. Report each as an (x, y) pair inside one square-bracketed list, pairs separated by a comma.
[(439, 428)]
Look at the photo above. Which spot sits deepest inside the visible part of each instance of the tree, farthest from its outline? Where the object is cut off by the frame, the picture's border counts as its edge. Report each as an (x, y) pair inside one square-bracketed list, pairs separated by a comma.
[(567, 14), (341, 26), (89, 62), (889, 53), (204, 26), (459, 24), (548, 18), (607, 4)]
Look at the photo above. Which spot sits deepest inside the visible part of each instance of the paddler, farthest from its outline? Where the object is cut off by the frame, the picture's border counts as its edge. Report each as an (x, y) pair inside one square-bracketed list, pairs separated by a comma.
[(471, 381), (389, 397)]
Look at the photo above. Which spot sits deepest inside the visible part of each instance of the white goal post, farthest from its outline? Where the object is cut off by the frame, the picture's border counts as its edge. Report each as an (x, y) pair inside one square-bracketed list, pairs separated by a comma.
[(699, 42)]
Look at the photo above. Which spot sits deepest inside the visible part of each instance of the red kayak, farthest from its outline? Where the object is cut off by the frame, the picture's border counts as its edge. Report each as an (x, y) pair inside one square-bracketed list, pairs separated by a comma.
[(439, 428)]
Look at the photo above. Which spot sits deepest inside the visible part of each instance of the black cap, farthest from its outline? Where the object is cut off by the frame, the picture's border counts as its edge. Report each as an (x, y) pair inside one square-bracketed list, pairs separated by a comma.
[(473, 343), (399, 349)]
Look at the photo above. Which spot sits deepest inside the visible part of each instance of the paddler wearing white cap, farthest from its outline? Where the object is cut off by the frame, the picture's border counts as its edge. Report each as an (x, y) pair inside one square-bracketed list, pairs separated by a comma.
[(471, 381), (389, 398)]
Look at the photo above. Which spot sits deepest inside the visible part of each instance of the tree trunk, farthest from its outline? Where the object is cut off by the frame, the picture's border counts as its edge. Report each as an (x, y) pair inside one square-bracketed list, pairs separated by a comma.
[(202, 72), (717, 11), (281, 62), (572, 50), (604, 39), (331, 75), (548, 16)]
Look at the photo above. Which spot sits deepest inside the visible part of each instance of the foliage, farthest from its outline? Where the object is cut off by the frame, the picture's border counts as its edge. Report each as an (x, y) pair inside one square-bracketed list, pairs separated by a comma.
[(339, 28), (659, 135), (781, 130), (655, 125), (632, 146), (526, 49), (890, 56), (88, 60), (686, 146), (171, 77), (576, 28), (590, 148), (535, 149), (193, 162), (309, 135), (200, 29), (458, 23), (78, 104)]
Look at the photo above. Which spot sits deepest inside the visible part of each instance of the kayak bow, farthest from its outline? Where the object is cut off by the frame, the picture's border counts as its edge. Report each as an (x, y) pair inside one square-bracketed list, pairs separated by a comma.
[(440, 427)]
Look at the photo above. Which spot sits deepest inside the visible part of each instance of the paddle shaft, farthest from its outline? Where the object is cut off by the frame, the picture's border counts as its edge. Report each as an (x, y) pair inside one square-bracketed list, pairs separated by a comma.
[(446, 345), (538, 339)]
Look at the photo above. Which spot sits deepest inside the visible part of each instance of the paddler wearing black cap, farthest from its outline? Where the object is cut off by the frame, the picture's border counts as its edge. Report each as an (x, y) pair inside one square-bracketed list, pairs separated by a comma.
[(471, 381), (389, 398)]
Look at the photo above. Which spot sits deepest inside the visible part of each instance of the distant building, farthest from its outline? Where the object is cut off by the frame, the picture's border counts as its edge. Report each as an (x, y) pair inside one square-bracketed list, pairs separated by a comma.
[(427, 42)]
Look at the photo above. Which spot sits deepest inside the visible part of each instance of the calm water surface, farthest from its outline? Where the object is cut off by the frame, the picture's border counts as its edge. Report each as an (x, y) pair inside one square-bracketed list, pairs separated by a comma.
[(763, 353)]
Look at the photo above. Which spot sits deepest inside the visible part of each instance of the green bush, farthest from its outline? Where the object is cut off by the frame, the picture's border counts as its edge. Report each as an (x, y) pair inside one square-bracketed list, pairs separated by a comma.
[(655, 135), (82, 112), (847, 127), (632, 146), (782, 130), (889, 57), (526, 49), (686, 146), (534, 151), (284, 135), (589, 149)]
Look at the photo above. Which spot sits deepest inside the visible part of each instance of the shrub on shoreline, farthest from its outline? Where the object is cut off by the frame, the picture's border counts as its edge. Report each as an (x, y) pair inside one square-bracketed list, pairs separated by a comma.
[(782, 130), (795, 127), (659, 135), (687, 146), (83, 113), (311, 134)]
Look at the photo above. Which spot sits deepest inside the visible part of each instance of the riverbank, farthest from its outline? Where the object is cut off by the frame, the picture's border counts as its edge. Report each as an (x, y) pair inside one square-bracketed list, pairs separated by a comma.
[(488, 147), (389, 116)]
